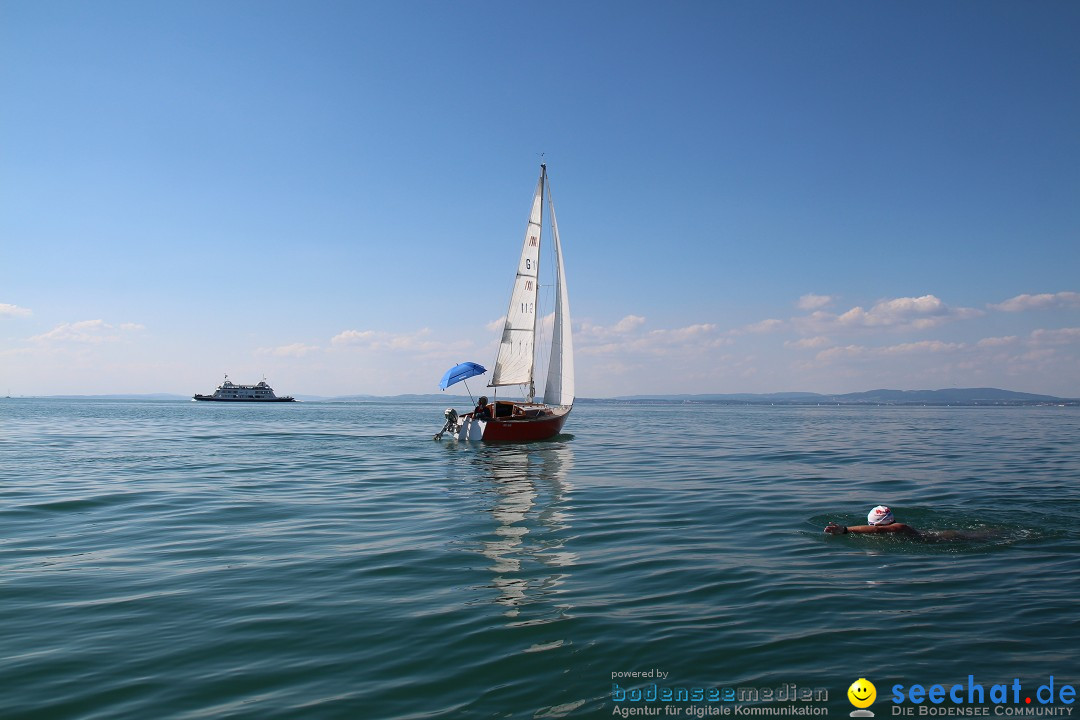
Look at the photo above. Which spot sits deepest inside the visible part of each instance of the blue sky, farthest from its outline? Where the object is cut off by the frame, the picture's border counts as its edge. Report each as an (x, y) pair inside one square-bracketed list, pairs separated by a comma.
[(753, 196)]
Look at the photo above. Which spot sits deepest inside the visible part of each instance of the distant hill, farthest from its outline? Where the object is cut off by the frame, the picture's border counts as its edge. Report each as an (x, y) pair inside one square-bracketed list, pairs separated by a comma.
[(430, 397), (119, 396), (951, 396), (968, 396)]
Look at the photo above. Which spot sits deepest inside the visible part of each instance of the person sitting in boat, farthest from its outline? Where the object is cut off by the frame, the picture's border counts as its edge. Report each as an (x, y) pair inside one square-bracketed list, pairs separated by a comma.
[(483, 410), (880, 520)]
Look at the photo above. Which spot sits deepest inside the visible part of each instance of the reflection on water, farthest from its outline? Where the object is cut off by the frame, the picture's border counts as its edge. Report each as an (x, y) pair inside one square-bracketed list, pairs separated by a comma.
[(527, 486)]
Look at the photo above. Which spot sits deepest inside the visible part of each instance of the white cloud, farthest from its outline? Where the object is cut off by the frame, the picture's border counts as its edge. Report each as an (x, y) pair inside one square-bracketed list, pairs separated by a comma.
[(920, 313), (996, 341), (628, 324), (1038, 354), (385, 341), (906, 313), (810, 301), (86, 331), (8, 310), (353, 337), (628, 336), (835, 353), (764, 326), (294, 350), (1039, 302), (922, 347), (1064, 336), (804, 343), (690, 332)]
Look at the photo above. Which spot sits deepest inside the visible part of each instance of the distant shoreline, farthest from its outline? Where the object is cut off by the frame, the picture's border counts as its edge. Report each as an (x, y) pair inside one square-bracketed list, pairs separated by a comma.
[(954, 397)]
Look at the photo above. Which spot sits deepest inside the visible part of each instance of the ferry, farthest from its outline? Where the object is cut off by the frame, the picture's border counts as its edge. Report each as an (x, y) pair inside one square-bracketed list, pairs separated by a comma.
[(230, 392)]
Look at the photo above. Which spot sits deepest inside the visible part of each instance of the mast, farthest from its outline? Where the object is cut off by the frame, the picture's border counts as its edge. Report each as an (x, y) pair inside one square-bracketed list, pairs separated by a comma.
[(540, 241)]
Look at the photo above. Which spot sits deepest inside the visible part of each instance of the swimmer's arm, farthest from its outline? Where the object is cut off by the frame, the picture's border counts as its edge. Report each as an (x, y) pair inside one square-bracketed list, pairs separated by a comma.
[(834, 529)]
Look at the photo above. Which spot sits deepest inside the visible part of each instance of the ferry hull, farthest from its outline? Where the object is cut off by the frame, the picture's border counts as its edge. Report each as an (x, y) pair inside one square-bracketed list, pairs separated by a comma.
[(211, 398)]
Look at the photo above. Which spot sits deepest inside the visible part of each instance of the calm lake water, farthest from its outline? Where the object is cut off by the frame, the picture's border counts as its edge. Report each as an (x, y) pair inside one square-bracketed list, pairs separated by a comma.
[(309, 560)]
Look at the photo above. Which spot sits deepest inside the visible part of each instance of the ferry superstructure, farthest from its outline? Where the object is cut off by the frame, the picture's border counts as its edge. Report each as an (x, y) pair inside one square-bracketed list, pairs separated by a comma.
[(229, 391)]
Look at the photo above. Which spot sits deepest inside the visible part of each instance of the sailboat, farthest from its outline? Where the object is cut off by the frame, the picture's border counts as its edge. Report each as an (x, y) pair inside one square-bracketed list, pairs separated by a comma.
[(515, 363)]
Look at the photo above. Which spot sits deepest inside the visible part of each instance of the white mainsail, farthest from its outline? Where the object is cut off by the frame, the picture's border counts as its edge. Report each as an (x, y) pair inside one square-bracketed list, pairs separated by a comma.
[(514, 363), (559, 388)]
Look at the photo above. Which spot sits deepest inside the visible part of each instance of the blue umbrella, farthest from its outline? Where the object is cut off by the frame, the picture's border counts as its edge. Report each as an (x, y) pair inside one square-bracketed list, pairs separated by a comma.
[(464, 371)]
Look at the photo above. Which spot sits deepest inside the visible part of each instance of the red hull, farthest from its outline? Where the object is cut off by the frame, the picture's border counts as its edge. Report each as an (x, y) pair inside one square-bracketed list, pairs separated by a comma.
[(525, 429)]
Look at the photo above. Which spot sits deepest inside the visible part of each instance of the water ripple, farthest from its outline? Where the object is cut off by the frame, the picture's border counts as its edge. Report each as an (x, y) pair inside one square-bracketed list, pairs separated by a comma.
[(326, 561)]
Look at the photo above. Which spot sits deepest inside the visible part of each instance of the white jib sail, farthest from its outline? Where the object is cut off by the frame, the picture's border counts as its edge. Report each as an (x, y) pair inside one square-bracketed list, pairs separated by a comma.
[(514, 363), (559, 388)]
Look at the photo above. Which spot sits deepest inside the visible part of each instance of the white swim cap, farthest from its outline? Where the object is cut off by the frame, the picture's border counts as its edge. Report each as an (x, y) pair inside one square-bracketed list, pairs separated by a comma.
[(880, 515)]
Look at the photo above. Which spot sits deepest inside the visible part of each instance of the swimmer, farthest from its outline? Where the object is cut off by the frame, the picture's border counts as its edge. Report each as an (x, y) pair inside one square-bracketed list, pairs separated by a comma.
[(880, 520)]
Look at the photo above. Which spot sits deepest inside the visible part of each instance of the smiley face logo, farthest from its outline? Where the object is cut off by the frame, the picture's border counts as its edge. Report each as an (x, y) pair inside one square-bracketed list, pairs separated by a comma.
[(862, 694)]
